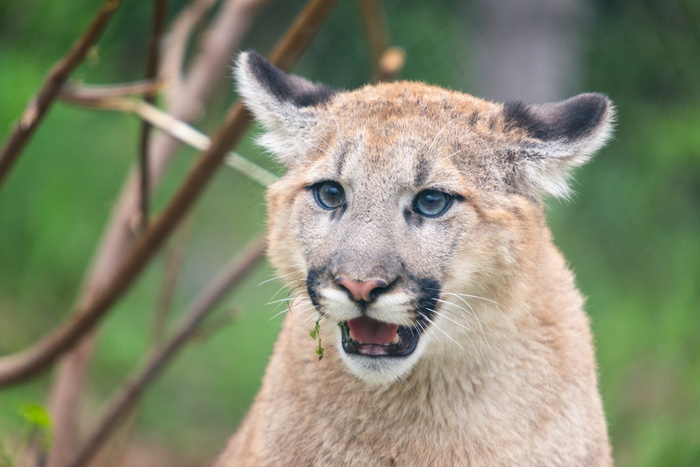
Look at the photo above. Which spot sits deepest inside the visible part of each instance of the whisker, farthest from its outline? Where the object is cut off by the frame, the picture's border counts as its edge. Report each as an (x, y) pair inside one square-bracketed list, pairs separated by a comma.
[(288, 285), (453, 154), (476, 297), (312, 316), (410, 388), (450, 319), (340, 133), (424, 330), (312, 144), (450, 303), (438, 134), (440, 329), (306, 310), (290, 300), (473, 313), (285, 299), (278, 277), (278, 291)]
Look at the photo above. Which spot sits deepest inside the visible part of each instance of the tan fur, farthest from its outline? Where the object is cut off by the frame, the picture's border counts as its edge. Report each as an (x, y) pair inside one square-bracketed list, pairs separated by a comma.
[(514, 383)]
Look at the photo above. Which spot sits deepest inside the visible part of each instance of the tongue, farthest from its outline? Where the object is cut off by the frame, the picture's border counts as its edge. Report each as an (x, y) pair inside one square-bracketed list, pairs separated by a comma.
[(370, 331)]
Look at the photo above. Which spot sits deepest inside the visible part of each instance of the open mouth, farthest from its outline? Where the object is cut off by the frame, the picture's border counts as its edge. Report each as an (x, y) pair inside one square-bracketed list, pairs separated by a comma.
[(372, 338)]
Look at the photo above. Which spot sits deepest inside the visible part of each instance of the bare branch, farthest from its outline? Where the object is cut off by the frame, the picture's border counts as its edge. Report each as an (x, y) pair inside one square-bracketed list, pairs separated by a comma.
[(386, 61), (160, 356), (90, 93), (300, 34), (23, 365), (160, 9), (38, 107), (174, 259), (376, 30), (176, 48)]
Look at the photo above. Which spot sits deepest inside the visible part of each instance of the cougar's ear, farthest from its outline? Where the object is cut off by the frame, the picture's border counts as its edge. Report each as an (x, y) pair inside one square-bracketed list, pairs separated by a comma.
[(558, 137), (287, 105)]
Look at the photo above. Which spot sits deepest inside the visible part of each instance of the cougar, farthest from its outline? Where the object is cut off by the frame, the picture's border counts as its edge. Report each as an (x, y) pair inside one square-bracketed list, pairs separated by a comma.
[(410, 227)]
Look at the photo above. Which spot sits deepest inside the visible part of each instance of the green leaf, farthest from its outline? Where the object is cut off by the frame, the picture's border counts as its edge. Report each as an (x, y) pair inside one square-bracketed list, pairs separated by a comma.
[(36, 415), (316, 332), (40, 419)]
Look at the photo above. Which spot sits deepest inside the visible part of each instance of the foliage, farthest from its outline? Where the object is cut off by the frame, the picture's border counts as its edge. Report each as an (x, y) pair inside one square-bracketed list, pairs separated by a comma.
[(316, 334)]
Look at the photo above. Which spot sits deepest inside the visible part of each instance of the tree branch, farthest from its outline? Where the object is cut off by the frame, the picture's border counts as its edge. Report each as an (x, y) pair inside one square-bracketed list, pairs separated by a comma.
[(106, 96), (37, 108), (374, 23), (173, 261), (132, 389), (160, 9), (23, 365), (176, 48), (386, 61)]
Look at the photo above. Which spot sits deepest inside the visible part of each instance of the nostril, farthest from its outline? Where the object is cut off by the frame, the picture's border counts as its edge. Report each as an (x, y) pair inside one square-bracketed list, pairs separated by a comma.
[(377, 286), (366, 291)]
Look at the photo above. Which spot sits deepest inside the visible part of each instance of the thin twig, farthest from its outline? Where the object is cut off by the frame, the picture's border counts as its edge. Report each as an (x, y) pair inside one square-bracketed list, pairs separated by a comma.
[(160, 9), (176, 49), (170, 125), (173, 261), (386, 61), (300, 34), (25, 364), (38, 107), (89, 94), (375, 26), (160, 356)]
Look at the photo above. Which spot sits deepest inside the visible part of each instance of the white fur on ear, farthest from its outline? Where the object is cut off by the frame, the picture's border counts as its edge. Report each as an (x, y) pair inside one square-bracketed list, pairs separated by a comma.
[(285, 104), (561, 136)]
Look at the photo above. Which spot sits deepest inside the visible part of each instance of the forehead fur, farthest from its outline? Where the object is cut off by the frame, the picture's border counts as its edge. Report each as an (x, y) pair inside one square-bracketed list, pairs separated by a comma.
[(420, 134), (423, 106)]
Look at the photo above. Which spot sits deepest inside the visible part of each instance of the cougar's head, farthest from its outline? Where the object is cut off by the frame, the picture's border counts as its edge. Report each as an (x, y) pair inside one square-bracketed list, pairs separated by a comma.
[(408, 211)]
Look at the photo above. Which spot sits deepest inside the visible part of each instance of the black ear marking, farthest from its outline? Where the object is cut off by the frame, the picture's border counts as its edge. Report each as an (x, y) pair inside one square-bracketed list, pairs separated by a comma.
[(286, 87), (568, 120)]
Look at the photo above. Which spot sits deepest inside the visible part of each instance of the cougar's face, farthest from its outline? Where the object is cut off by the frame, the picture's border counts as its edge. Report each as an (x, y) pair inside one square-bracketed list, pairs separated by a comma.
[(381, 213)]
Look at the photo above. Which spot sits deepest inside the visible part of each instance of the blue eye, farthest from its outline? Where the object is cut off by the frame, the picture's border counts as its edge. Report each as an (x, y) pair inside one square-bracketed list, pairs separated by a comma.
[(329, 195), (431, 203)]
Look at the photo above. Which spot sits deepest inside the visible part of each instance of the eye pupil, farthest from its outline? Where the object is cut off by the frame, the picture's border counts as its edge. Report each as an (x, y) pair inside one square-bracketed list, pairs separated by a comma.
[(432, 203), (329, 195)]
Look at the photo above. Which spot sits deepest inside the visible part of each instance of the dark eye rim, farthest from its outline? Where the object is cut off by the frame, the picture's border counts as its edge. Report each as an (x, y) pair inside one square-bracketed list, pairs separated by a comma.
[(449, 200), (316, 188)]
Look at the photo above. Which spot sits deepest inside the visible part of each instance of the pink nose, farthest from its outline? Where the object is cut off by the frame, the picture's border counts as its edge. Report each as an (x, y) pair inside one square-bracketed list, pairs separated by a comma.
[(362, 291)]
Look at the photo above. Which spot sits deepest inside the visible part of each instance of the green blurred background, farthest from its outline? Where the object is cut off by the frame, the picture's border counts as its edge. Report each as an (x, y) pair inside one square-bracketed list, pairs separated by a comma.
[(631, 232)]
